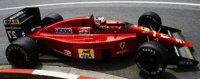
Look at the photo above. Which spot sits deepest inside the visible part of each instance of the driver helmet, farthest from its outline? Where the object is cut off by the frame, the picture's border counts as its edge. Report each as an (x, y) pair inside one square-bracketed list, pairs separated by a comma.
[(100, 22)]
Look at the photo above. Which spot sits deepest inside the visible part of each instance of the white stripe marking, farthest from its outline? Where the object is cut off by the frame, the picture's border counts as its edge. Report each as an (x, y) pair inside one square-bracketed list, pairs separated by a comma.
[(55, 74), (107, 2)]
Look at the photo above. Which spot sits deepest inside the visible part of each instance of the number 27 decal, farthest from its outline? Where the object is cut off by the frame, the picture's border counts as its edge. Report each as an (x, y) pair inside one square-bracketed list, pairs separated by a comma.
[(12, 34)]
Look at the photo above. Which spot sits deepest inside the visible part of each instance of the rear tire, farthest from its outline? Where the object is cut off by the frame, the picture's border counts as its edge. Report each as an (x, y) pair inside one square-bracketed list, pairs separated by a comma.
[(51, 18), (151, 58), (22, 53)]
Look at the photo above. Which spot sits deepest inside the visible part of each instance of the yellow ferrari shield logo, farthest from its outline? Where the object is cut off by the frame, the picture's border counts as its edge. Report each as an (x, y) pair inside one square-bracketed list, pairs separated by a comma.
[(122, 45)]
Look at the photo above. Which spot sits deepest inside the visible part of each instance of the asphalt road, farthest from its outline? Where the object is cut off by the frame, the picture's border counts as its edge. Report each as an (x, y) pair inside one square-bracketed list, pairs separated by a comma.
[(184, 17)]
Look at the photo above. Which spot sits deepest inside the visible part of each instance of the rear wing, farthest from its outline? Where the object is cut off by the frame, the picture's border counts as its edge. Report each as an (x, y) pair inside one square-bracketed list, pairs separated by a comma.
[(20, 23)]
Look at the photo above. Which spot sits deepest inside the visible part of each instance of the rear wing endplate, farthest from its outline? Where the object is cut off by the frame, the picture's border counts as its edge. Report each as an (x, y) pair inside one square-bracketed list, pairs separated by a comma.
[(20, 23)]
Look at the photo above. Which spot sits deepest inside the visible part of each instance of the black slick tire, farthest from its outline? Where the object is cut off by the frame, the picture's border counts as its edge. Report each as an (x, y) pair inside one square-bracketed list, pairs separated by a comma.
[(51, 18), (150, 20), (22, 53), (151, 58)]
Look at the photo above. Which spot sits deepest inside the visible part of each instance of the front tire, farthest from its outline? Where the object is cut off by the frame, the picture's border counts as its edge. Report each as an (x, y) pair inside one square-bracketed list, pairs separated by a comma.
[(22, 53), (151, 58), (150, 20)]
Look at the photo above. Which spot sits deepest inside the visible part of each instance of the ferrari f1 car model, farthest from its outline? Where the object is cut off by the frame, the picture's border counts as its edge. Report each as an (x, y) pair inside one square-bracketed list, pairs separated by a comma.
[(89, 37)]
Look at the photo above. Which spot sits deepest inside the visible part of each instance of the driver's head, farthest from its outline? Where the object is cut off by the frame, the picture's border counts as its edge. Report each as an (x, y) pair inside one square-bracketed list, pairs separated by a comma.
[(100, 21)]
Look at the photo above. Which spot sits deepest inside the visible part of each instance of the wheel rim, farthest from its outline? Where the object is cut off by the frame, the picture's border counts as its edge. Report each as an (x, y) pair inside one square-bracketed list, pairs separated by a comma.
[(149, 63)]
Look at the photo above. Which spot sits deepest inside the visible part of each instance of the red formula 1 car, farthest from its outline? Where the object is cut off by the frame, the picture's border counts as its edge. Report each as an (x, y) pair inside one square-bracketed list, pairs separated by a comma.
[(90, 37)]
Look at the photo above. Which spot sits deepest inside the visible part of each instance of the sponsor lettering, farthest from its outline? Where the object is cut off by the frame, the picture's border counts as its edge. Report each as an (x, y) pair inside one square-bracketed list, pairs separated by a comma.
[(84, 31), (67, 52), (13, 28), (178, 40), (86, 53), (14, 48), (13, 21), (122, 52), (149, 50), (17, 14), (185, 62), (63, 30), (56, 50), (164, 35), (161, 35)]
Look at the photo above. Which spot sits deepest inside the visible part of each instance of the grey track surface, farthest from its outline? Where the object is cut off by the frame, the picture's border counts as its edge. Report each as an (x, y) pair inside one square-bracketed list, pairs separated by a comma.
[(186, 18)]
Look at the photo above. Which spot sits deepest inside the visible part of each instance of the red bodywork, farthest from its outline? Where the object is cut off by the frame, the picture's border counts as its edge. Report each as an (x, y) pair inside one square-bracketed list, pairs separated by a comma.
[(77, 38)]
